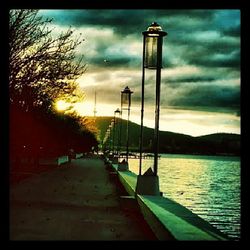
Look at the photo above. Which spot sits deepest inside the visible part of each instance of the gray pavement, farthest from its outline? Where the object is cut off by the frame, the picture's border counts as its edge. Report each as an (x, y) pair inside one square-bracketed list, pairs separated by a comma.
[(76, 201)]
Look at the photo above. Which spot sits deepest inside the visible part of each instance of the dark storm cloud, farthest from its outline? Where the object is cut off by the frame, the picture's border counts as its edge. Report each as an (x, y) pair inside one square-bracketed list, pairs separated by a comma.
[(231, 60), (208, 96), (212, 55), (127, 21), (208, 40), (107, 59), (111, 61), (232, 31), (211, 49), (193, 34), (173, 80)]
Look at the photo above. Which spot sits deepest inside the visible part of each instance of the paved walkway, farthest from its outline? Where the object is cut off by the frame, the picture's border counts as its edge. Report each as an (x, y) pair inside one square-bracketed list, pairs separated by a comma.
[(77, 201)]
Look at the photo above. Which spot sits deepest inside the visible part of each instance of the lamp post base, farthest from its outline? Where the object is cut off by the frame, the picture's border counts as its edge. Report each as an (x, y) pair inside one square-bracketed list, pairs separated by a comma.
[(115, 160), (123, 166), (148, 185)]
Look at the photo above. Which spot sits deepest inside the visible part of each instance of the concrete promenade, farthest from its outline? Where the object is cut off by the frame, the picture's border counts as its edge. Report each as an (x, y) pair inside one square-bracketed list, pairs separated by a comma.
[(76, 201)]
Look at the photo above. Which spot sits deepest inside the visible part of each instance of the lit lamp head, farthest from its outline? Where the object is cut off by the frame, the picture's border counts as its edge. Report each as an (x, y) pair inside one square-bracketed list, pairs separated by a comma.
[(153, 46), (126, 96)]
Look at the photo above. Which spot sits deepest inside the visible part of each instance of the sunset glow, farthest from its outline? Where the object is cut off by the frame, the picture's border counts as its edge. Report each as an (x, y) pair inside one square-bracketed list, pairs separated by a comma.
[(200, 78), (61, 105)]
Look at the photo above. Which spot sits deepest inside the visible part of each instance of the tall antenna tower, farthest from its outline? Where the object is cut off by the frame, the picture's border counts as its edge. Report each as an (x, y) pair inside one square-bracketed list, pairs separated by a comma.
[(95, 106)]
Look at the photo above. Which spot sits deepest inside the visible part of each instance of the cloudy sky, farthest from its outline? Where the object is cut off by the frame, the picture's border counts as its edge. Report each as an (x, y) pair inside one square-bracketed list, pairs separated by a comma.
[(200, 84)]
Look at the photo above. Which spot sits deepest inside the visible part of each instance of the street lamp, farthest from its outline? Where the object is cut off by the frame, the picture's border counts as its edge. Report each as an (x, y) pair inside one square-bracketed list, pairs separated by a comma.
[(152, 59), (113, 136), (117, 111), (110, 138), (125, 105), (106, 141)]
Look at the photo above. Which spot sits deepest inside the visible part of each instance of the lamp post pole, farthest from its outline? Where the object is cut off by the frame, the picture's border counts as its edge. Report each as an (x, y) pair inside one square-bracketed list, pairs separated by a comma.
[(113, 135), (120, 134), (127, 133), (142, 106), (110, 139), (157, 104)]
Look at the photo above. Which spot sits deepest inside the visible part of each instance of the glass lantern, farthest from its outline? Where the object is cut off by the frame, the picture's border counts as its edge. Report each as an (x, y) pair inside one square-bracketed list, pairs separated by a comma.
[(153, 46)]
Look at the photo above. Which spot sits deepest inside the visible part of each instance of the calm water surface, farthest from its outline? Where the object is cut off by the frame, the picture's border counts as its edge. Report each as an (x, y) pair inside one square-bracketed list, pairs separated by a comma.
[(208, 185)]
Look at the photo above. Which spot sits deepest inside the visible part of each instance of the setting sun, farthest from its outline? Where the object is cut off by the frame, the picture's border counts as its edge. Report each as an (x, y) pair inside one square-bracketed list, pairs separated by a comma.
[(62, 105)]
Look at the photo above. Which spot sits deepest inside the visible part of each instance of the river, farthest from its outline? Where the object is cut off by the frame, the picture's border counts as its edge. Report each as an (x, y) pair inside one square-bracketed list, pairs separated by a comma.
[(208, 185)]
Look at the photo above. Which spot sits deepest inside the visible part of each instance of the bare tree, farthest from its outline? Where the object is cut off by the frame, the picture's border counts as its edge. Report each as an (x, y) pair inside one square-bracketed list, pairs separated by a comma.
[(41, 67)]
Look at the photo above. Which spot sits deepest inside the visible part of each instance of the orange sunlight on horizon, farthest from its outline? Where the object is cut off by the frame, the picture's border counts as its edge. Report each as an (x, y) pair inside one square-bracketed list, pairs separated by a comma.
[(61, 105)]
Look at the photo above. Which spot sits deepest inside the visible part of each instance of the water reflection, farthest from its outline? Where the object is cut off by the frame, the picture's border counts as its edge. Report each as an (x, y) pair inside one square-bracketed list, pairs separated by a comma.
[(208, 186)]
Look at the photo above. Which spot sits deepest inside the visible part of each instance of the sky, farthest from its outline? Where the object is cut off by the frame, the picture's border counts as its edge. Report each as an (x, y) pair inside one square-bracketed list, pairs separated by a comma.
[(200, 78)]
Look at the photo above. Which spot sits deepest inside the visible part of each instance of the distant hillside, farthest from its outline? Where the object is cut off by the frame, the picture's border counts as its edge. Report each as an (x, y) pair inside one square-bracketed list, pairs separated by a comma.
[(169, 142)]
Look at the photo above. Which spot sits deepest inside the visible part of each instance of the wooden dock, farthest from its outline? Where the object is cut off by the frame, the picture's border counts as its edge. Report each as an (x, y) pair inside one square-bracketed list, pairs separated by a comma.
[(136, 156)]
